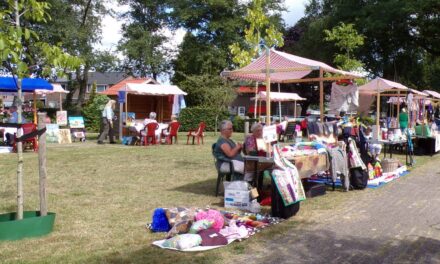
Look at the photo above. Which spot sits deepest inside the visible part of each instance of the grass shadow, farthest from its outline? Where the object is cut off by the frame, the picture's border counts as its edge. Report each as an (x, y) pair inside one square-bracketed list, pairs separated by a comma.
[(206, 187)]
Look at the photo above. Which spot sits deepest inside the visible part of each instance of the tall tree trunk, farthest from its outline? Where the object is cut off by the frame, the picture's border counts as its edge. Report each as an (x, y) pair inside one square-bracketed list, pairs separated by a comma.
[(19, 215), (82, 80), (71, 86)]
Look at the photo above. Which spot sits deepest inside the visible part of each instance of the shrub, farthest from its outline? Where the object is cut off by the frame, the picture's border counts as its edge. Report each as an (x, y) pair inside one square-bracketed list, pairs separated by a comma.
[(238, 123), (92, 112), (190, 117)]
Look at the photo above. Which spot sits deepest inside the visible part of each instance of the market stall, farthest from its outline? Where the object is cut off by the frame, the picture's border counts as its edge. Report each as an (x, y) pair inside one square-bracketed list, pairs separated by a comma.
[(280, 97)]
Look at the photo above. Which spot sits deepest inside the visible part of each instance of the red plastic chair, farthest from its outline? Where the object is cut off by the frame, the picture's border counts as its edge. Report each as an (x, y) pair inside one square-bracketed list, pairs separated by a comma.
[(173, 128), (196, 133), (28, 128), (150, 130)]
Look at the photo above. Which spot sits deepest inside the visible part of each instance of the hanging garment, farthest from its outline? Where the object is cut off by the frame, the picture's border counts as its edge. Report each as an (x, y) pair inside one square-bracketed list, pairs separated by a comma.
[(343, 98), (339, 166), (354, 156)]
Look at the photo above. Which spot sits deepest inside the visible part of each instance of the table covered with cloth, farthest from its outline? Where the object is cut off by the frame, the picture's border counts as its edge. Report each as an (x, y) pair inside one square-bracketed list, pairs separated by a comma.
[(309, 157)]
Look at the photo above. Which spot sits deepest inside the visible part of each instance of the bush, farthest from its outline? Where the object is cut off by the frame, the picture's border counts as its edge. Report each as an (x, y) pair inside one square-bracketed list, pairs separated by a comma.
[(238, 123), (190, 117), (92, 112)]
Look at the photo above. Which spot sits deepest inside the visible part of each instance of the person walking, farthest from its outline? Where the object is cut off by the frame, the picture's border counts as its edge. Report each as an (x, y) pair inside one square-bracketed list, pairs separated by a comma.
[(107, 122)]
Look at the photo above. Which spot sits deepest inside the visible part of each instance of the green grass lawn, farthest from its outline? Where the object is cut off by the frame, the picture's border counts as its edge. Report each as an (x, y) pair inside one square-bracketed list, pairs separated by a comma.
[(104, 195)]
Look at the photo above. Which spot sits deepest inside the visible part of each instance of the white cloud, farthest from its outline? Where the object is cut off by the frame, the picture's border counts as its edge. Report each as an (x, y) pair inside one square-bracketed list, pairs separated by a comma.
[(295, 10)]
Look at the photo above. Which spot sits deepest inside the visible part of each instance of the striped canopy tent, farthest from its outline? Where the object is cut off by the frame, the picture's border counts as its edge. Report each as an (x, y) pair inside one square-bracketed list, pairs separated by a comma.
[(280, 97), (381, 87), (280, 67), (433, 95)]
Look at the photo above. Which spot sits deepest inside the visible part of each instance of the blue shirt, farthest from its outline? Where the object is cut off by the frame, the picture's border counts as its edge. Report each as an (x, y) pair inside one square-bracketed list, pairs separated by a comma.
[(14, 118), (108, 113)]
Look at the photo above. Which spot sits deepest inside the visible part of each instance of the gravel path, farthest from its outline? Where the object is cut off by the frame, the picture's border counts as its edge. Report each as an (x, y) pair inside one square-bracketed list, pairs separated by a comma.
[(397, 223)]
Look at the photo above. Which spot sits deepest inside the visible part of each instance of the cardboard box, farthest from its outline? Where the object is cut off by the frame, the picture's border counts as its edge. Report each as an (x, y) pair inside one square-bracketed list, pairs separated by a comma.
[(237, 199)]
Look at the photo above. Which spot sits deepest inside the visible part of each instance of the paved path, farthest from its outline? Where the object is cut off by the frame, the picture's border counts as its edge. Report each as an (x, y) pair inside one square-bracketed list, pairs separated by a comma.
[(398, 223)]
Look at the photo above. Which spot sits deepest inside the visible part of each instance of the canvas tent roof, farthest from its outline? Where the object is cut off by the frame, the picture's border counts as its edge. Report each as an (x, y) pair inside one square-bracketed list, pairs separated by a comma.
[(284, 68), (8, 84), (434, 94), (381, 85), (152, 89), (279, 97), (57, 88)]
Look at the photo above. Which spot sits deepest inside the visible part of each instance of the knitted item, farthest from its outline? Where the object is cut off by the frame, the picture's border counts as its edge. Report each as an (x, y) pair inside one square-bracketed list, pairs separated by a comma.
[(213, 215), (160, 221)]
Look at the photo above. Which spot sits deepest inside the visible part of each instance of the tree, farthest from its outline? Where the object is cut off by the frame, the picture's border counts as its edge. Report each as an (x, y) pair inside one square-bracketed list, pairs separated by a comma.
[(259, 28), (347, 39), (143, 39), (207, 90), (77, 26), (400, 36), (18, 59)]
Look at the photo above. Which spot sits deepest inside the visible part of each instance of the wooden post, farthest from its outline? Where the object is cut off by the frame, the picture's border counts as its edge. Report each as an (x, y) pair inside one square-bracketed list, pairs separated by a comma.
[(321, 94), (268, 96), (398, 104), (279, 103), (294, 111), (19, 215), (267, 86), (256, 101), (35, 108), (61, 102), (42, 164), (377, 110), (121, 109)]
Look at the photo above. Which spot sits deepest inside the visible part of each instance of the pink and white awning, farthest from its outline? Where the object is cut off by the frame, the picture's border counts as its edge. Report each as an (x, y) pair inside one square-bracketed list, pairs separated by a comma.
[(284, 67), (279, 97), (433, 94), (380, 85)]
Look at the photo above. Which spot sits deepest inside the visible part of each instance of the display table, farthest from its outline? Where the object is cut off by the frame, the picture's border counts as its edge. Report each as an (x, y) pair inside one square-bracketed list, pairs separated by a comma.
[(257, 165), (387, 144)]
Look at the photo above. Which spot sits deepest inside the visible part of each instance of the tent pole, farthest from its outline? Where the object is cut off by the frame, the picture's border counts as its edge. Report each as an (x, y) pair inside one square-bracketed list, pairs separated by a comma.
[(256, 101), (294, 110), (35, 108), (268, 97), (321, 94), (377, 110), (398, 104), (267, 86), (279, 103), (61, 103)]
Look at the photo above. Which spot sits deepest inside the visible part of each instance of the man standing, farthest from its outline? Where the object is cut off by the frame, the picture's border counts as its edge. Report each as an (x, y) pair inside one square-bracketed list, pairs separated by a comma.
[(107, 122)]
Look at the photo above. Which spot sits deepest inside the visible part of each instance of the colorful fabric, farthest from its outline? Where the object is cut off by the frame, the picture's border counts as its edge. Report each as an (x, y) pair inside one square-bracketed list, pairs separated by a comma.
[(178, 214), (180, 227), (213, 215), (183, 241), (200, 225), (160, 221), (287, 180), (210, 237)]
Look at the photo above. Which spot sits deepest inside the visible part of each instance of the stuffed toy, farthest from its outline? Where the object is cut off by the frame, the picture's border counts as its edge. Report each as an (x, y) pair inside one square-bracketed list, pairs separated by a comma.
[(160, 221)]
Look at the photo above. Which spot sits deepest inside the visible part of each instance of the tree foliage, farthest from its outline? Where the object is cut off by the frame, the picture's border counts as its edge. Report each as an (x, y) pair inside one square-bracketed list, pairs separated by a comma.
[(207, 90), (92, 112), (143, 38), (259, 28), (401, 36), (347, 39)]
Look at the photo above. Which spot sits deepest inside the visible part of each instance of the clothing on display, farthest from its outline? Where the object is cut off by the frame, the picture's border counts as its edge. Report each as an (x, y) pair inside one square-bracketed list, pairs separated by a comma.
[(343, 98)]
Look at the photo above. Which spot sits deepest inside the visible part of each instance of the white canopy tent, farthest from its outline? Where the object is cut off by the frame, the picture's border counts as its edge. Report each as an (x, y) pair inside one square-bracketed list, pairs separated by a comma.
[(57, 88), (153, 89)]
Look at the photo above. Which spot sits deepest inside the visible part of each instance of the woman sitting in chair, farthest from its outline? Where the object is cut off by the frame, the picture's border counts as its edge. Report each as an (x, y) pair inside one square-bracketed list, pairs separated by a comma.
[(226, 148), (250, 143)]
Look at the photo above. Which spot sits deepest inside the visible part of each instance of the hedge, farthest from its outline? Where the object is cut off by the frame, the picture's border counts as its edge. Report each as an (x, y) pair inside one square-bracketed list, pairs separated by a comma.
[(190, 117)]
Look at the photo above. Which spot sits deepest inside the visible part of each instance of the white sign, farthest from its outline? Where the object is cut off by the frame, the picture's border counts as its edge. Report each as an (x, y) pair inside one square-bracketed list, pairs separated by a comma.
[(270, 133)]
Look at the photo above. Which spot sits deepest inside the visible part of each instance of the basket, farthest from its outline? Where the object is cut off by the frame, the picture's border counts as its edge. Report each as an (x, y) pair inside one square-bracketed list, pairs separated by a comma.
[(389, 165)]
